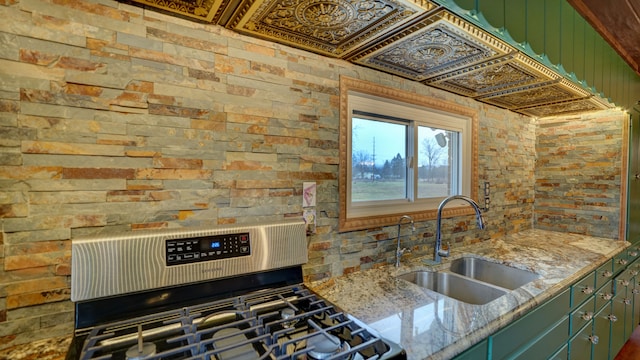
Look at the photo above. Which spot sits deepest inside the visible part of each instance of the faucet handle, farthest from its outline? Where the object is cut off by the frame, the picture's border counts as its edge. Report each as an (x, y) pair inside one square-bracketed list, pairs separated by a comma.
[(445, 253)]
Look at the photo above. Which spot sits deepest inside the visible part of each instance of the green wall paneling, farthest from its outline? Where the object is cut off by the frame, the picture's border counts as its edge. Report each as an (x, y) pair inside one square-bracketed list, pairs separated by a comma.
[(551, 31), (493, 12), (516, 19), (566, 36), (578, 46), (535, 26)]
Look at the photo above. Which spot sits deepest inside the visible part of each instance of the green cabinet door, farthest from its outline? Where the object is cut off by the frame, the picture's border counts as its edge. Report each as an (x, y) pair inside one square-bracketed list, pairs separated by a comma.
[(602, 329), (581, 344), (620, 303)]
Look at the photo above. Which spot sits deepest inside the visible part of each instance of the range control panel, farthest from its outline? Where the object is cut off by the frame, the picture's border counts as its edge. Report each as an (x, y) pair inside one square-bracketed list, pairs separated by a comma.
[(207, 248)]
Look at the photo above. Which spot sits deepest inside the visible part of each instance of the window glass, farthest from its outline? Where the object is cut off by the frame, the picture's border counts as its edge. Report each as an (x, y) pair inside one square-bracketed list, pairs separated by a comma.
[(379, 155), (438, 162), (401, 153)]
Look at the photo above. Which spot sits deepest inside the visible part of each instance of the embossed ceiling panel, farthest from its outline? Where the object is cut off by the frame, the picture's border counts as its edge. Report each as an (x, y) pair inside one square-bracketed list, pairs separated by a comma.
[(499, 74), (536, 95), (329, 27), (203, 10), (416, 39), (436, 45), (566, 108)]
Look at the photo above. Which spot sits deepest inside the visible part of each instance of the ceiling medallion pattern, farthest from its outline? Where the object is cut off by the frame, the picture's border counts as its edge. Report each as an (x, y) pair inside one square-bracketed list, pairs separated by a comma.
[(539, 94), (415, 39), (498, 74), (205, 10), (329, 21), (431, 48), (425, 53), (565, 108), (331, 27)]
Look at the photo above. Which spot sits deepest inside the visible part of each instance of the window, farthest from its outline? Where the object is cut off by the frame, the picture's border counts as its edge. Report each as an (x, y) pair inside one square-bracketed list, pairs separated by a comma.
[(401, 153)]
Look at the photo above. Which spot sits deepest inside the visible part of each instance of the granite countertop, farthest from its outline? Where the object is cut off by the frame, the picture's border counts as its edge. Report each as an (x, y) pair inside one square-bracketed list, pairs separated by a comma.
[(46, 349), (431, 326), (426, 324)]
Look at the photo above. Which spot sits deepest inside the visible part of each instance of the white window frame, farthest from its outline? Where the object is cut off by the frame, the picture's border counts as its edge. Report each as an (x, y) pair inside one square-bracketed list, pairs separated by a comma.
[(358, 95)]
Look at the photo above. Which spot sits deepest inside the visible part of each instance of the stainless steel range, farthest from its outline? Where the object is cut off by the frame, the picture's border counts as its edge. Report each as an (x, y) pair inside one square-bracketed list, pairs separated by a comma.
[(224, 293)]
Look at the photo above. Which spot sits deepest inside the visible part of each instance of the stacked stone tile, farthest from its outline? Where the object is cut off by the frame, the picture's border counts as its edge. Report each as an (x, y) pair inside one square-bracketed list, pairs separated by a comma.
[(113, 118)]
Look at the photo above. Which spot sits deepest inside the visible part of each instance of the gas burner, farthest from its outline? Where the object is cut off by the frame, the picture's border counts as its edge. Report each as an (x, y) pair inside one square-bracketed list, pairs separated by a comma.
[(286, 314), (141, 351), (323, 346)]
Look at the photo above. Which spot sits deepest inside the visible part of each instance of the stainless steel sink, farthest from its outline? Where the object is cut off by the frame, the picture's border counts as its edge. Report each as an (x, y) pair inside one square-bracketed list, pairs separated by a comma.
[(497, 274), (455, 286)]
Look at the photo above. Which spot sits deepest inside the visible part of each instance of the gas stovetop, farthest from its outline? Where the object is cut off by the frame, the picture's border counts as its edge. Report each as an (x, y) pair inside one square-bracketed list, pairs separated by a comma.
[(289, 322), (223, 293)]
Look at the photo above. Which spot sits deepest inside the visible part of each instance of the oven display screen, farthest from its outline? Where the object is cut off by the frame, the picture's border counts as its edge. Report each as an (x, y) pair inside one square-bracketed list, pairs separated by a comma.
[(207, 248)]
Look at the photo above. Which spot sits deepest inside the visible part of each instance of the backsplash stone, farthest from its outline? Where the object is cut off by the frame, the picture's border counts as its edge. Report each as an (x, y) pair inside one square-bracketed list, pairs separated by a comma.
[(579, 173), (114, 118)]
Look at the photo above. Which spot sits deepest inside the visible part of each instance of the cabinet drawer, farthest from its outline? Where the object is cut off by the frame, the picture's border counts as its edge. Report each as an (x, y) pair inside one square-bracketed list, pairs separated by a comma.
[(476, 352), (604, 295), (604, 273), (582, 315), (624, 283), (562, 354), (583, 289), (620, 261), (515, 335), (548, 343)]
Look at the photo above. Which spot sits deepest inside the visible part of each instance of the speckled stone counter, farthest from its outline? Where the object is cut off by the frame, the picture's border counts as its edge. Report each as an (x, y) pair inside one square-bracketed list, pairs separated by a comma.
[(431, 326), (426, 324), (47, 349)]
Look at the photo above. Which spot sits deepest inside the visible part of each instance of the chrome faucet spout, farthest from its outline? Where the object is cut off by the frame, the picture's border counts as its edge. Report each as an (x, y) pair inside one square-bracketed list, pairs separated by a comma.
[(438, 251), (400, 251)]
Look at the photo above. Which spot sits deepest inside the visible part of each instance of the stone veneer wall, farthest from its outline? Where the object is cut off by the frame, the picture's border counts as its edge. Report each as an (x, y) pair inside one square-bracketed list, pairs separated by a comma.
[(113, 118), (579, 173)]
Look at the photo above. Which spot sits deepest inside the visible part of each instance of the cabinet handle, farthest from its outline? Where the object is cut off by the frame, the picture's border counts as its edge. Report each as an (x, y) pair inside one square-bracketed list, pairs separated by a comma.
[(635, 291), (594, 339), (587, 290), (634, 272), (607, 273), (587, 316), (626, 301), (612, 318), (606, 296), (633, 253), (624, 283), (622, 261)]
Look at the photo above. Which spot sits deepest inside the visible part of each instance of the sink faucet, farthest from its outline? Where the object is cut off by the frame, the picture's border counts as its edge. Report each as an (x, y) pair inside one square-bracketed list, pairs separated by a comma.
[(399, 251), (439, 252)]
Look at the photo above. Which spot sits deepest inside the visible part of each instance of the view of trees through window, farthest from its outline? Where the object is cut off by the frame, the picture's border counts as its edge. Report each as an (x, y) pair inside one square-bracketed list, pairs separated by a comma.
[(379, 160)]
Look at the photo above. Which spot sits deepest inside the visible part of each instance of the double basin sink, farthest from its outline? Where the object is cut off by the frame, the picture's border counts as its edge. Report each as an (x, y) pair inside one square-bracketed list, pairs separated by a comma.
[(472, 280)]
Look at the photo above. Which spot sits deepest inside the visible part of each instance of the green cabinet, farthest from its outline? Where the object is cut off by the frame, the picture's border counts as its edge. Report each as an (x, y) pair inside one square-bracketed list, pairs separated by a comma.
[(602, 330), (526, 331), (590, 320), (476, 352)]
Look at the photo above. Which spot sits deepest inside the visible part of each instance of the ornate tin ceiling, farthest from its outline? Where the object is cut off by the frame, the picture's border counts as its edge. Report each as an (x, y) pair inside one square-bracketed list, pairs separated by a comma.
[(415, 39)]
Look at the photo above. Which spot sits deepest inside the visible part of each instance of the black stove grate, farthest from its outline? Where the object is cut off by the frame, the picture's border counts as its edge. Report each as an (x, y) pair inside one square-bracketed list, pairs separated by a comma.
[(288, 322)]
